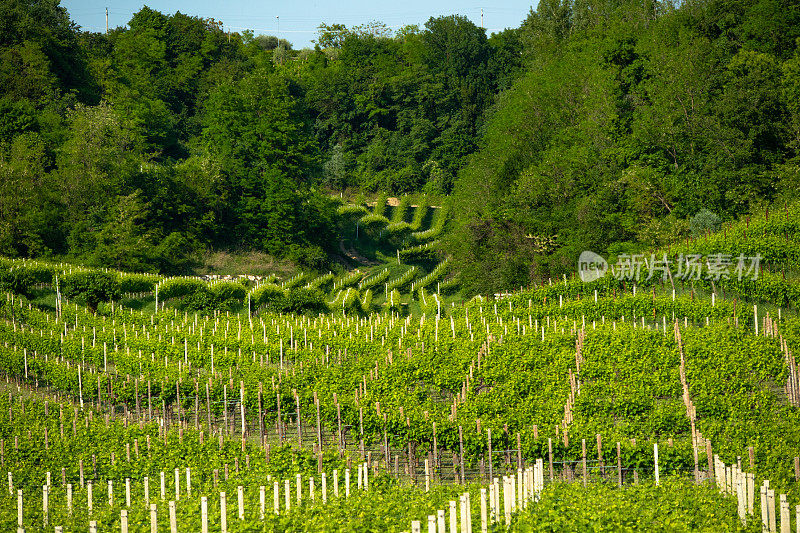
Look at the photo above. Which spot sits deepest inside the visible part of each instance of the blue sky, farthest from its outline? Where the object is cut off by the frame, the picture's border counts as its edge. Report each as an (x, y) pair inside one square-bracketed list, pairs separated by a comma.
[(297, 20)]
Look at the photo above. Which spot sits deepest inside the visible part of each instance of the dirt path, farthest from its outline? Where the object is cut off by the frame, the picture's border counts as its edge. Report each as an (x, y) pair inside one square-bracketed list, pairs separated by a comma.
[(354, 255)]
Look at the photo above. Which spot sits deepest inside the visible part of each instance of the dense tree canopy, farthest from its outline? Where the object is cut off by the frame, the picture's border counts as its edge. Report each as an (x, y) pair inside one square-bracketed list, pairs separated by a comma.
[(629, 119), (596, 124)]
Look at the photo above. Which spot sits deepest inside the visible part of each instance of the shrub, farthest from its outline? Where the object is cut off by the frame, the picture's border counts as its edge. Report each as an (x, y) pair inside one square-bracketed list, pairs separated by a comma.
[(179, 287), (91, 287), (18, 280), (137, 283), (703, 222)]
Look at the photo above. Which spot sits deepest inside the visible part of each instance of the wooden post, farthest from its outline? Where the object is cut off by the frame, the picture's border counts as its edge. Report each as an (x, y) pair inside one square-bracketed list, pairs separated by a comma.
[(489, 442), (261, 411), (484, 514), (361, 430), (619, 466), (225, 406), (583, 461), (241, 405), (299, 425), (752, 456), (123, 521), (208, 407), (550, 456), (600, 453), (341, 443), (280, 418), (45, 502), (319, 425), (460, 453), (710, 458)]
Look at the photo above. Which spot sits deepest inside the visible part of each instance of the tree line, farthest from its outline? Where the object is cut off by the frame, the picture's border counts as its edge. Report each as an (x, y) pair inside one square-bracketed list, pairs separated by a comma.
[(138, 148), (596, 124), (634, 124)]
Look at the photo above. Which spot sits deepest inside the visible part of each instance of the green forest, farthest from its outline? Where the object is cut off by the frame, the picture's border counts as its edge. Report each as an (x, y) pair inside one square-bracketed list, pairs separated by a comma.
[(608, 125)]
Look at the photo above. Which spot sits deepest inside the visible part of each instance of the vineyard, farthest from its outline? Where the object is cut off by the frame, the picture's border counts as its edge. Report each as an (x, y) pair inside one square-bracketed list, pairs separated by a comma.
[(249, 405)]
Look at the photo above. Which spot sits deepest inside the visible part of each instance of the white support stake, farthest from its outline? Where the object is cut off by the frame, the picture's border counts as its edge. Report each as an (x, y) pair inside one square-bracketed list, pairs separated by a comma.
[(204, 514), (173, 519), (655, 457)]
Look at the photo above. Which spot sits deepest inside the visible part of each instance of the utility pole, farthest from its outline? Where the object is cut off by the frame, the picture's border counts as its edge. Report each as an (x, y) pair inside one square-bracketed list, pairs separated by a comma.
[(481, 18), (106, 21)]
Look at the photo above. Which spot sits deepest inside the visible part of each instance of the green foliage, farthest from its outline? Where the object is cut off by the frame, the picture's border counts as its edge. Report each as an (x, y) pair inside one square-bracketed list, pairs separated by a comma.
[(703, 222), (91, 287), (320, 281), (179, 287), (348, 279), (228, 290), (404, 279), (129, 283), (596, 147), (374, 281), (269, 295), (366, 302), (305, 300), (438, 272), (352, 209), (603, 127), (676, 505), (394, 301), (19, 280), (422, 252), (437, 227)]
